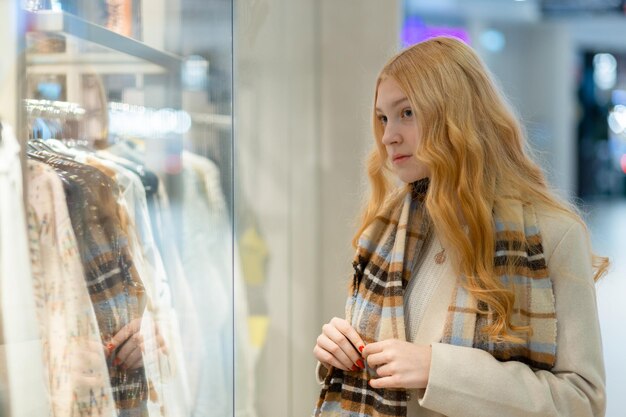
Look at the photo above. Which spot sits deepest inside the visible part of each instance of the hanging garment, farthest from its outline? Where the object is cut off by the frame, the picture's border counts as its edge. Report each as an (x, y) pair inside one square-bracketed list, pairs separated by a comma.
[(115, 289), (166, 372), (131, 201), (207, 252), (128, 158), (210, 176), (186, 337), (250, 330), (76, 370), (22, 388), (187, 311), (206, 265), (208, 243)]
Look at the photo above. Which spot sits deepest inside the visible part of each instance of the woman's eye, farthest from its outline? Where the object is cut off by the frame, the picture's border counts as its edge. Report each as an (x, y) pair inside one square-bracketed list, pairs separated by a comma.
[(407, 113), (383, 120)]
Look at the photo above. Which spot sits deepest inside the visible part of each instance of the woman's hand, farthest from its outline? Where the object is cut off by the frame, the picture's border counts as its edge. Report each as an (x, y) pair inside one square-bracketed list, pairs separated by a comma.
[(398, 364), (130, 341), (339, 345)]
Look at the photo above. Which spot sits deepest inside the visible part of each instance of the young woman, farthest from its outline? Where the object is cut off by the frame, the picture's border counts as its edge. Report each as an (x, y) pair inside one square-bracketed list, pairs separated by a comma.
[(473, 292)]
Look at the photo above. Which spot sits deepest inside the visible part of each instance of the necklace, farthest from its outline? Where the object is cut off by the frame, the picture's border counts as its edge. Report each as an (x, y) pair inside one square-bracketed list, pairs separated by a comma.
[(440, 257)]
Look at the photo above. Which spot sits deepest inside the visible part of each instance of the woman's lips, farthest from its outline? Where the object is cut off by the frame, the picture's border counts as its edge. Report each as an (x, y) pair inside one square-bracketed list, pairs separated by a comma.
[(400, 158)]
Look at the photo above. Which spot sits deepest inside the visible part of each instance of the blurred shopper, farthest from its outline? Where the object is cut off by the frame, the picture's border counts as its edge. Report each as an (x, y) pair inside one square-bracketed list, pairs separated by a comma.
[(473, 292)]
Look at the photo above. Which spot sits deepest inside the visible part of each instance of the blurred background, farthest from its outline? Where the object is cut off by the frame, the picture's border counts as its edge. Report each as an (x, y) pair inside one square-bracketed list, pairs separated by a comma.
[(255, 117)]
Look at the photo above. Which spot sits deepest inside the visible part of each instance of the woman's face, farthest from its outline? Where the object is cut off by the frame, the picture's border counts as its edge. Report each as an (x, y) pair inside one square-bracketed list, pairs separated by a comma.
[(400, 136)]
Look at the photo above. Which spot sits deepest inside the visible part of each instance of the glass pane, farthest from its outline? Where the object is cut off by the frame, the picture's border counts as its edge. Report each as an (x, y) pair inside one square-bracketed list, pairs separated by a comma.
[(128, 148)]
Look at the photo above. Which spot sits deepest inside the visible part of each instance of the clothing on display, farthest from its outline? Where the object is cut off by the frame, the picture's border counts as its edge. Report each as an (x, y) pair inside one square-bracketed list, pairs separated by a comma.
[(209, 251), (105, 260), (115, 288), (23, 393), (200, 174), (123, 304), (67, 319)]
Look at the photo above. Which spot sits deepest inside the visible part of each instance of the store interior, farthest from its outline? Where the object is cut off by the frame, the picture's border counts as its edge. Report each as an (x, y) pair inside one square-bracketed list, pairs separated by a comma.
[(233, 133)]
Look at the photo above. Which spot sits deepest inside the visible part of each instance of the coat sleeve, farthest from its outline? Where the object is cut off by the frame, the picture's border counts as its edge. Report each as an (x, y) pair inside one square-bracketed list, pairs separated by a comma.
[(470, 382)]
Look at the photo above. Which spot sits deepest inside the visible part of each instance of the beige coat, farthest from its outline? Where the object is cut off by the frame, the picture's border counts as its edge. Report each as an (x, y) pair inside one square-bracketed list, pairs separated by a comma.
[(468, 382)]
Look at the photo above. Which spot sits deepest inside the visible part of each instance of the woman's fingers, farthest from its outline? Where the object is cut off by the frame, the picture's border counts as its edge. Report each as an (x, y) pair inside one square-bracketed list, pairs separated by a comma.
[(399, 363), (125, 332), (348, 331), (339, 346), (375, 347), (385, 382), (335, 350), (385, 370), (137, 364), (134, 359), (131, 344), (340, 339), (328, 359), (378, 359)]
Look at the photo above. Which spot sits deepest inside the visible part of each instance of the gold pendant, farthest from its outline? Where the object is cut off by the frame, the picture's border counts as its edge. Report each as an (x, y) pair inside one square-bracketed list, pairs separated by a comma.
[(440, 257)]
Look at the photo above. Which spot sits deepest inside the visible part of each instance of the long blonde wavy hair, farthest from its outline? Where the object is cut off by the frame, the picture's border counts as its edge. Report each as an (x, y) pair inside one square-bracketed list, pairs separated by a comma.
[(477, 154)]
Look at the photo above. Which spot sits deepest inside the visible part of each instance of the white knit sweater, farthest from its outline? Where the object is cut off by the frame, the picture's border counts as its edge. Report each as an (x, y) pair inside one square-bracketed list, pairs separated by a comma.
[(426, 277)]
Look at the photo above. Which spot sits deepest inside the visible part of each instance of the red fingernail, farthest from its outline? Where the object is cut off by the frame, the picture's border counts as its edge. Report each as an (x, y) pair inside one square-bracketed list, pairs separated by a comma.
[(354, 368), (361, 348), (360, 364), (110, 346)]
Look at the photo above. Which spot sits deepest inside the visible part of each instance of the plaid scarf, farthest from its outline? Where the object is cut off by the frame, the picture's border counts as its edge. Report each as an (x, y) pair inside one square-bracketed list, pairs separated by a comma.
[(382, 264)]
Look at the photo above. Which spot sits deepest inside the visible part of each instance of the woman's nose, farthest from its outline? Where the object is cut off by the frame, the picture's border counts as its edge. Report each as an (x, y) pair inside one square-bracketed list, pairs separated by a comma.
[(391, 136)]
